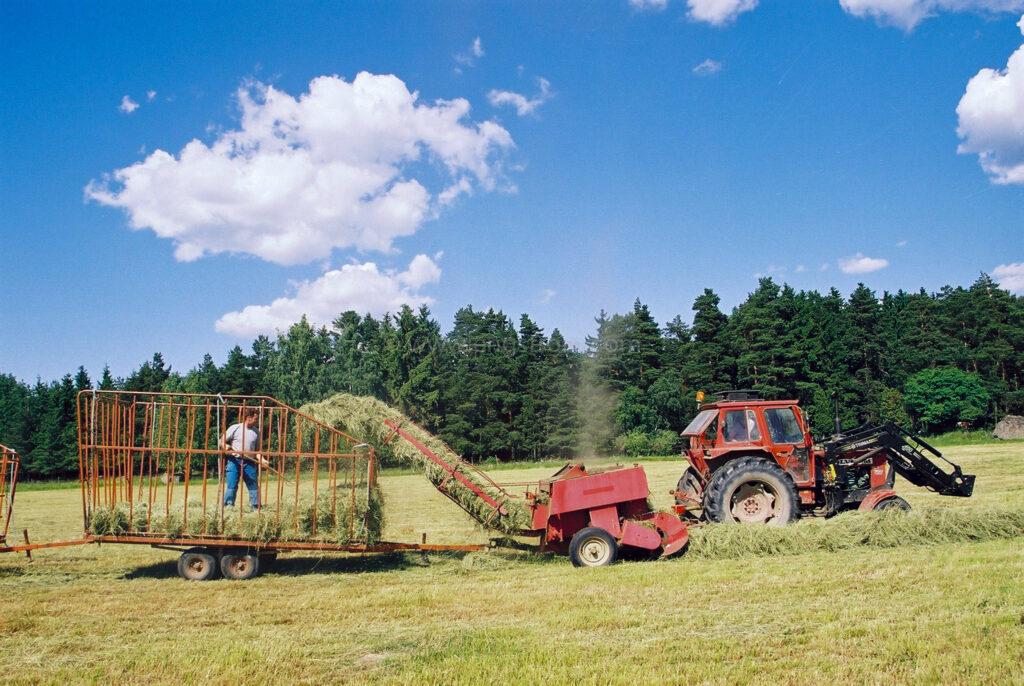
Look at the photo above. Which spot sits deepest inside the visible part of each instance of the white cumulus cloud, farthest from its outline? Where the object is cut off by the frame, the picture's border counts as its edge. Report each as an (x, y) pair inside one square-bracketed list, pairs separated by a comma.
[(524, 106), (708, 67), (906, 14), (718, 12), (1010, 277), (128, 105), (991, 119), (360, 287), (344, 165), (859, 264)]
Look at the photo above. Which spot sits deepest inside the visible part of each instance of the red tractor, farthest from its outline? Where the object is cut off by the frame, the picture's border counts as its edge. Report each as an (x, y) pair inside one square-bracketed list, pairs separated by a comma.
[(754, 460)]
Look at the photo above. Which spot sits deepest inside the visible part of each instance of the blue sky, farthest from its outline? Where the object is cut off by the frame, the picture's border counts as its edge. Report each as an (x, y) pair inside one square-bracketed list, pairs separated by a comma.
[(178, 177)]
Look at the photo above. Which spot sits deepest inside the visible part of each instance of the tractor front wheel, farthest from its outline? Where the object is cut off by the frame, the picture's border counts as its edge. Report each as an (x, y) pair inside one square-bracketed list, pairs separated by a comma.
[(893, 502), (751, 490), (592, 547)]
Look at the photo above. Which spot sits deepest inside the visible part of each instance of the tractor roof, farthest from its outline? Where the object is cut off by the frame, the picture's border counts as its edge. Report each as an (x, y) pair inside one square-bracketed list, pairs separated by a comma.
[(747, 403)]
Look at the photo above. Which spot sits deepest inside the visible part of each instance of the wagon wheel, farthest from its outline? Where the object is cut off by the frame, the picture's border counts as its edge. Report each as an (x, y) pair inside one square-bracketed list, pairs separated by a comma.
[(592, 547), (197, 564), (239, 566)]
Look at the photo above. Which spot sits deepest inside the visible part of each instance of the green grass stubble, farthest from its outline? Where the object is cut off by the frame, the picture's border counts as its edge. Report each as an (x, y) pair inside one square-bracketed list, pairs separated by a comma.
[(945, 612)]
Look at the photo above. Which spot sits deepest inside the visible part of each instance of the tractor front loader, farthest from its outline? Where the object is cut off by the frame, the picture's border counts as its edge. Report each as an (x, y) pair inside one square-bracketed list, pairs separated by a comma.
[(905, 454)]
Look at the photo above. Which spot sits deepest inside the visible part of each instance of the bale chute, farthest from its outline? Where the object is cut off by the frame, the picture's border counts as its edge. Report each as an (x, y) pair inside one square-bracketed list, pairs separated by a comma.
[(395, 435)]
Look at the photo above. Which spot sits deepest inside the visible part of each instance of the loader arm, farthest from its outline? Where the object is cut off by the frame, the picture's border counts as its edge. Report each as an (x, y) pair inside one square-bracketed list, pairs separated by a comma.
[(907, 453)]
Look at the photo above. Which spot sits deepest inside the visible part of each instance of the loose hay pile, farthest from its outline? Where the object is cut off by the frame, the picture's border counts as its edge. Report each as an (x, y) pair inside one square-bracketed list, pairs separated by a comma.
[(364, 417), (269, 525), (883, 529)]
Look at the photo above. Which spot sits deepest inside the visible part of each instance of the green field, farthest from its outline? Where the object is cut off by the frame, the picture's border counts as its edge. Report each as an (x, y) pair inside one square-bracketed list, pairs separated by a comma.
[(949, 613)]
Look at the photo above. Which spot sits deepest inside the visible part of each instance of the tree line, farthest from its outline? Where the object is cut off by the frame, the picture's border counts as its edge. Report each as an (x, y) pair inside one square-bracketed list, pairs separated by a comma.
[(494, 389)]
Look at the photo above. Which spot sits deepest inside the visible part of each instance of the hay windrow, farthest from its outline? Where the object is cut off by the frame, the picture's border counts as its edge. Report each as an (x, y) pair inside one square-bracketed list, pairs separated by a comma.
[(364, 417), (883, 529)]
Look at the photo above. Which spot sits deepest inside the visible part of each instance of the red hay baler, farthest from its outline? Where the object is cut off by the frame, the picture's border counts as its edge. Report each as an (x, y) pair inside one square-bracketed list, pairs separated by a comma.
[(592, 515)]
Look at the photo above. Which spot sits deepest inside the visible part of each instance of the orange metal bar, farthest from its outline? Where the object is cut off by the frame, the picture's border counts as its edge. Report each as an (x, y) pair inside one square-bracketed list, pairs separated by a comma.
[(383, 547), (128, 438), (452, 470)]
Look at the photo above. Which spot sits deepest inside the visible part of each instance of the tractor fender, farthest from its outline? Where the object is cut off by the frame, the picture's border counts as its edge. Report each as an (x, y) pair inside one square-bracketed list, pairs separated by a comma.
[(875, 497), (718, 461)]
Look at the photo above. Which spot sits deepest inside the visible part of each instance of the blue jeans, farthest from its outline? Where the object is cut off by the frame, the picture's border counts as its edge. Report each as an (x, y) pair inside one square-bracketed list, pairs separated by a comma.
[(234, 465)]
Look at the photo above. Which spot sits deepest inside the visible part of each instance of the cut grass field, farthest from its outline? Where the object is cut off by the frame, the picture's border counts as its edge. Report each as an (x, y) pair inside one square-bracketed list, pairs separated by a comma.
[(947, 612)]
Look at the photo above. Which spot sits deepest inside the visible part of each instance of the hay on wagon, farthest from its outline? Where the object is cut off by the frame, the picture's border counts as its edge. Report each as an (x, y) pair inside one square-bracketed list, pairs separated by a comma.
[(334, 522)]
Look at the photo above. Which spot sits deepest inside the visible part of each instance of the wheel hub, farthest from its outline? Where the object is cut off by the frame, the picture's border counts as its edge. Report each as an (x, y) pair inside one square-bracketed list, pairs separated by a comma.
[(753, 504), (594, 551), (240, 565)]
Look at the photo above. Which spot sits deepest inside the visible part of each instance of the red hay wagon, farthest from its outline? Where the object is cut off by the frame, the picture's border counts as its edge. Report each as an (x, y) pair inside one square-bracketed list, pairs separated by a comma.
[(152, 472)]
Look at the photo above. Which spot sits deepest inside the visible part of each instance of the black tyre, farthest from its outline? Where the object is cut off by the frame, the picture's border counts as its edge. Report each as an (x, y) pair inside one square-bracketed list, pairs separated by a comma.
[(751, 490), (239, 566), (197, 564), (689, 485), (893, 502), (592, 547)]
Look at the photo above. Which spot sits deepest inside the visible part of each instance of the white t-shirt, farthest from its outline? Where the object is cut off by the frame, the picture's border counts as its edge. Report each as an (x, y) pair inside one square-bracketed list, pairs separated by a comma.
[(239, 438)]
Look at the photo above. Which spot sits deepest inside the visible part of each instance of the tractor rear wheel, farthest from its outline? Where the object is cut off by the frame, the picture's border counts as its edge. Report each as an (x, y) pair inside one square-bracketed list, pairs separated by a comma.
[(197, 564), (239, 566), (592, 547), (751, 490), (893, 502)]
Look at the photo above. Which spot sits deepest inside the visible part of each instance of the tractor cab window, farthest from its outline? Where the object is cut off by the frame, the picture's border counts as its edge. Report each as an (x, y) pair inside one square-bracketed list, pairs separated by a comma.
[(703, 428), (711, 433), (700, 423), (783, 425), (740, 427)]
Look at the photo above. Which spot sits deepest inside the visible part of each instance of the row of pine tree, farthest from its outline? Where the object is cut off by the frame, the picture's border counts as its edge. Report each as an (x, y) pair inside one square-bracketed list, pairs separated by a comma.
[(493, 389)]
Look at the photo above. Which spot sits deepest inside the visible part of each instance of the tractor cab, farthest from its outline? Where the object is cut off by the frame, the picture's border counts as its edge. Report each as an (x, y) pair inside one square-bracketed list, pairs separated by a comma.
[(740, 423)]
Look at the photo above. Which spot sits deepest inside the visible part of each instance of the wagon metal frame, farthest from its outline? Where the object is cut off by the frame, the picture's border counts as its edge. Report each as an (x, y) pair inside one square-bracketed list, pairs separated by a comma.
[(155, 458)]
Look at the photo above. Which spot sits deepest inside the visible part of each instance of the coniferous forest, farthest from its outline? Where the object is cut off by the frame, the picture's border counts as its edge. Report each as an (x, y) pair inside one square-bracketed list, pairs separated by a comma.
[(492, 387)]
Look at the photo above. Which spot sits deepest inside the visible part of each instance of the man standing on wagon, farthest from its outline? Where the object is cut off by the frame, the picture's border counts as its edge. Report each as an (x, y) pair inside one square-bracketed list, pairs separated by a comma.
[(240, 442)]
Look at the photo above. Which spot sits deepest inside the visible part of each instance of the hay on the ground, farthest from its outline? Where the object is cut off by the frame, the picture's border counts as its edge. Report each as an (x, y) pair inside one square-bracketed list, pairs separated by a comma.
[(882, 529), (364, 417)]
